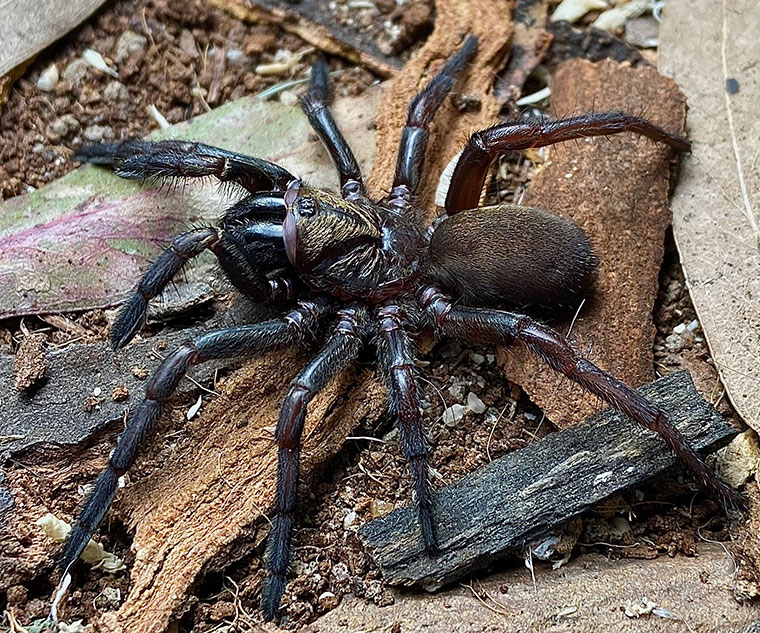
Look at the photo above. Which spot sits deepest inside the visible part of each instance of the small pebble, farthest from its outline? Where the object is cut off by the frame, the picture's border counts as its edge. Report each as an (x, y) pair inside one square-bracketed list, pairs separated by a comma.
[(97, 133), (328, 600), (48, 78), (349, 519), (236, 56), (97, 391), (456, 391), (674, 343), (129, 42), (340, 572), (63, 126), (680, 328), (117, 92), (478, 359), (187, 44), (475, 404), (453, 414), (288, 98), (76, 71), (693, 325)]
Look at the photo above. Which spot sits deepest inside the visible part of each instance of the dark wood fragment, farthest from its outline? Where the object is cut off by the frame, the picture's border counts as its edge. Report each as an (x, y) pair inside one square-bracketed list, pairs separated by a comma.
[(500, 507), (315, 22), (76, 397)]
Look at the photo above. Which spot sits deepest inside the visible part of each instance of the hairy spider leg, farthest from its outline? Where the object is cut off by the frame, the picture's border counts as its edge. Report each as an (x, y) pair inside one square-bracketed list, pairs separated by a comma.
[(396, 354), (141, 160), (414, 137), (340, 351), (224, 343), (485, 146), (229, 247), (315, 104), (479, 325)]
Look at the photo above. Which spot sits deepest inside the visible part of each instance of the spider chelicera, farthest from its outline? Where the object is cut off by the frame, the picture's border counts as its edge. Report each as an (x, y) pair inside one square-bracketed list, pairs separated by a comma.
[(363, 272)]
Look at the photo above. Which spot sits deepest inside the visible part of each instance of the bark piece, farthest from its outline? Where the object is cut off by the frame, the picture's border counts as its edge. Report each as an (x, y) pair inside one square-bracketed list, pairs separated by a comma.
[(82, 241), (530, 42), (527, 493), (205, 507), (314, 21), (54, 411), (589, 43), (715, 206), (616, 188), (454, 21), (30, 364)]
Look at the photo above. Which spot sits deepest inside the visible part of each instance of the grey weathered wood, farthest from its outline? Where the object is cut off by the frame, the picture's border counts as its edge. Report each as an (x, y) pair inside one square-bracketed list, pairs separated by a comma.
[(52, 411), (487, 514)]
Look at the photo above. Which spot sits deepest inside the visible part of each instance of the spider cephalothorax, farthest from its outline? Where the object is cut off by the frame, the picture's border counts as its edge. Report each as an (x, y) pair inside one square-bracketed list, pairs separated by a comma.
[(368, 272), (350, 248)]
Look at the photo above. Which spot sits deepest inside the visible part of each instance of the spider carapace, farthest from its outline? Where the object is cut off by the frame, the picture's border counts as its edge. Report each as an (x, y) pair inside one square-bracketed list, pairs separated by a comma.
[(357, 272)]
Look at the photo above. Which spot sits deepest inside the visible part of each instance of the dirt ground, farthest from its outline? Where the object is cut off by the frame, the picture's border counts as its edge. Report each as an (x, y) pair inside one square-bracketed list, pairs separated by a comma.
[(177, 55)]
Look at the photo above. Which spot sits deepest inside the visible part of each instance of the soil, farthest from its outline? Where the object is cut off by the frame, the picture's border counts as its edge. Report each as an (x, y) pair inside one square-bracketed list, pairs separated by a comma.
[(177, 57)]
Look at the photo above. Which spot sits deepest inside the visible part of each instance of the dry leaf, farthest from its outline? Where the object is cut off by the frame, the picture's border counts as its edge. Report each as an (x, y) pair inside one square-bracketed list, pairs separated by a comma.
[(82, 241), (713, 52)]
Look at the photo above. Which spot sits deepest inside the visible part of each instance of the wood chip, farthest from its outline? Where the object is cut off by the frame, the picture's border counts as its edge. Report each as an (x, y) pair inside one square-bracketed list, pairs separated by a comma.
[(527, 493), (315, 23), (30, 362), (616, 188)]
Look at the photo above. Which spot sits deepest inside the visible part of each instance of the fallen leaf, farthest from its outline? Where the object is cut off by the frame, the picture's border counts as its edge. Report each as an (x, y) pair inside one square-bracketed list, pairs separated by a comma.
[(715, 214), (82, 241)]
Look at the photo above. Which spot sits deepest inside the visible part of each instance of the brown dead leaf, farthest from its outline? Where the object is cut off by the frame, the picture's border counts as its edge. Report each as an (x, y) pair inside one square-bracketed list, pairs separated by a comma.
[(715, 215), (616, 189)]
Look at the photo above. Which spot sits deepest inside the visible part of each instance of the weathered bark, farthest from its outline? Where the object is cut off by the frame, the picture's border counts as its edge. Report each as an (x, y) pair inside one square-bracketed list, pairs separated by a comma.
[(491, 512)]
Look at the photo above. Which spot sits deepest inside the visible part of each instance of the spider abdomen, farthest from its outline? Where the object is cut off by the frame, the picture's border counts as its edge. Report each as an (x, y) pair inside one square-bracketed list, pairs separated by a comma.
[(512, 256)]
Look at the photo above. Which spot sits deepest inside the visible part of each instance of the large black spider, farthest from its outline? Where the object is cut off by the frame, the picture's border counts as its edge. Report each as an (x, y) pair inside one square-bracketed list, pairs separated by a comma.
[(372, 272)]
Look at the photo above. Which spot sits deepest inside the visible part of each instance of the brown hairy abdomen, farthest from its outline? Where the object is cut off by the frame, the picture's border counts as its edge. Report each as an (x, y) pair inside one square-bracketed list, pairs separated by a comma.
[(512, 256)]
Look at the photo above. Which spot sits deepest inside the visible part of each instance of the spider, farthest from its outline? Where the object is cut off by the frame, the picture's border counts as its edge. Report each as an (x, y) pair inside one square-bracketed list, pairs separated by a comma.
[(363, 272)]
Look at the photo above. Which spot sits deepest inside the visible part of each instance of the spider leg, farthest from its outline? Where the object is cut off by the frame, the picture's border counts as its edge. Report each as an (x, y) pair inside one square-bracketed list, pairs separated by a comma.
[(470, 173), (496, 326), (338, 353), (140, 160), (225, 343), (411, 154), (315, 104), (231, 247), (396, 356)]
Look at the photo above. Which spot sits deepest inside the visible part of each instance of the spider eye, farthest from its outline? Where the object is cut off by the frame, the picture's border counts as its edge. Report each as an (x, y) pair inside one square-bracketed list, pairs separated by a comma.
[(306, 207)]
